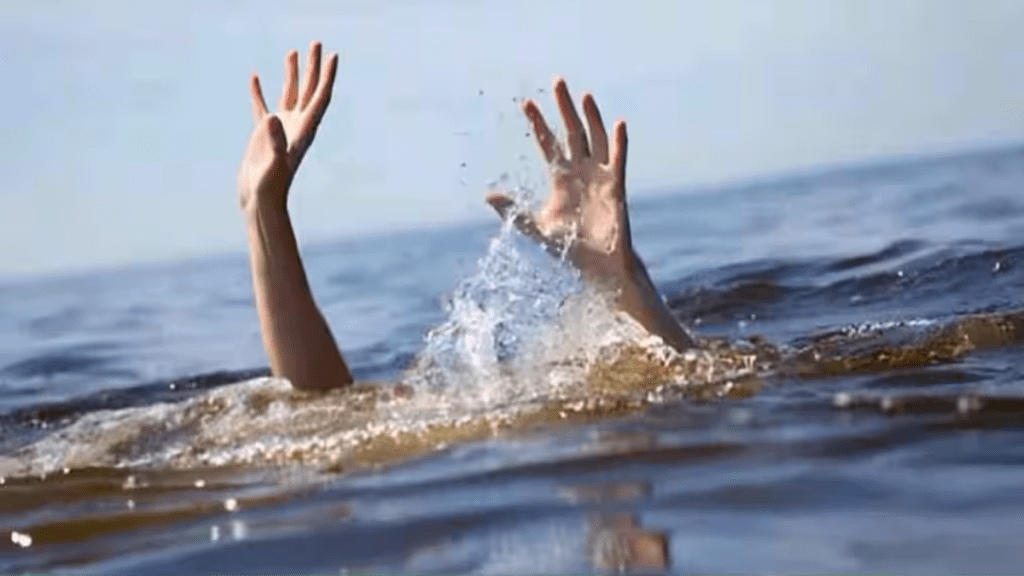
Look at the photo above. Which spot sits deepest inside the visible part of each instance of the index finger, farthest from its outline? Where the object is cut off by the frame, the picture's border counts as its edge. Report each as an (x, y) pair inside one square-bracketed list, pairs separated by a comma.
[(549, 145), (259, 105)]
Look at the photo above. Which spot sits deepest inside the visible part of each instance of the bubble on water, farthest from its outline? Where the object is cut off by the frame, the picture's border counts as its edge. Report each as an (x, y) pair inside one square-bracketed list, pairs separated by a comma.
[(239, 531), (842, 400), (21, 539), (967, 404)]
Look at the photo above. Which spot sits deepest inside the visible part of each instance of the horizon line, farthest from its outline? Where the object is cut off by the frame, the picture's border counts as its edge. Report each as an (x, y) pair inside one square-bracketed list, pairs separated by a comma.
[(650, 193)]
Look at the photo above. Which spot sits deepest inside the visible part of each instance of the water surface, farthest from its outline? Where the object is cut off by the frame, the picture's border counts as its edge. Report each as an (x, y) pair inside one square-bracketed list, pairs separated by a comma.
[(879, 431)]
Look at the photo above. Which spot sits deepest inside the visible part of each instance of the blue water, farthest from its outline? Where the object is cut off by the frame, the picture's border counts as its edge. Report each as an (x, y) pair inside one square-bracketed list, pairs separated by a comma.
[(866, 464)]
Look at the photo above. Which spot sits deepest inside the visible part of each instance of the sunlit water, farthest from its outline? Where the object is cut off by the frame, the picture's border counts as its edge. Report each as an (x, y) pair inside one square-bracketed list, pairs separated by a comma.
[(856, 406)]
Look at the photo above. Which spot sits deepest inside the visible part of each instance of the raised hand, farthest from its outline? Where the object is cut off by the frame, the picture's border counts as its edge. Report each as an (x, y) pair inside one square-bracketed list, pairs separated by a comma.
[(296, 337), (280, 139), (586, 211), (586, 216)]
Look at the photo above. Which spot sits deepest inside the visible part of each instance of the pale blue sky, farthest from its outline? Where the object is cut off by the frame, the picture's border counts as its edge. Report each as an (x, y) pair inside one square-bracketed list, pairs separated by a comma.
[(124, 120)]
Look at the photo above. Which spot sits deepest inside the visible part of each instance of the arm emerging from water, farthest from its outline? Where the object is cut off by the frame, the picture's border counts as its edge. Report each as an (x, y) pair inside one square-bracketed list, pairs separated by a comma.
[(295, 335), (587, 211)]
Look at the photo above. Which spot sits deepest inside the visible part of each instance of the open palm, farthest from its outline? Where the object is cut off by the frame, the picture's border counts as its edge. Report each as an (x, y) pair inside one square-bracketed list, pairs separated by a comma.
[(280, 140), (585, 213)]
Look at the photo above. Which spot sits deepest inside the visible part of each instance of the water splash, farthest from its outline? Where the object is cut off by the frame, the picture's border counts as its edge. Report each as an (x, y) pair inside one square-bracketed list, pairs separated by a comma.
[(495, 317), (522, 332)]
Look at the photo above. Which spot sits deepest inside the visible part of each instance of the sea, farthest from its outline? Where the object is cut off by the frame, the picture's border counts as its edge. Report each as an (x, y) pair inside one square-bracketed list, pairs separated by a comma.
[(857, 404)]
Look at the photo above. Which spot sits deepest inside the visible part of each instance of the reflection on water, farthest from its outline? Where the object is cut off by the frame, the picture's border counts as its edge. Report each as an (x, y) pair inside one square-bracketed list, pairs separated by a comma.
[(617, 541)]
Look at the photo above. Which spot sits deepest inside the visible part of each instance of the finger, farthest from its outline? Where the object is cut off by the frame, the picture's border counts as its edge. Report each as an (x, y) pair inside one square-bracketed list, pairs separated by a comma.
[(618, 156), (574, 127), (549, 145), (504, 205), (259, 105), (598, 135), (322, 95), (312, 80), (501, 203), (290, 91)]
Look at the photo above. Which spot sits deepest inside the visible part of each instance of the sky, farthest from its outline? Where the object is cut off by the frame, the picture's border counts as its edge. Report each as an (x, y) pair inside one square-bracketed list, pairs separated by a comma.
[(123, 121)]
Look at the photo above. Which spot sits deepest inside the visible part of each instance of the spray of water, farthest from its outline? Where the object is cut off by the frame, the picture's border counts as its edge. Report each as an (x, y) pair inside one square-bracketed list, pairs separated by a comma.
[(494, 315)]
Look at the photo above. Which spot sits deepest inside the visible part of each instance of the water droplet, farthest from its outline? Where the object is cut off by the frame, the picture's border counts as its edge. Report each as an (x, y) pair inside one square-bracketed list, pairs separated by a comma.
[(214, 533), (997, 267), (231, 504), (129, 483), (131, 504), (200, 483)]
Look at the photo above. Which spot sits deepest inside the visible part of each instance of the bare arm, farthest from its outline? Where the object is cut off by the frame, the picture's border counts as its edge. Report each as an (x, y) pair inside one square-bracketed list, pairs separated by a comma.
[(640, 299), (587, 209), (295, 335)]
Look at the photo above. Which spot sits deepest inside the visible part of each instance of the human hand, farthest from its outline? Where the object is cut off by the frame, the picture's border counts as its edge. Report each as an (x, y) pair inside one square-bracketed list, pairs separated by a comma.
[(280, 140), (585, 214)]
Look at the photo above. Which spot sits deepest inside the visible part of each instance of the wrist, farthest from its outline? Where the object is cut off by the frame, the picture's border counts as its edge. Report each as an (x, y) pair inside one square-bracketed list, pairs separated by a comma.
[(641, 300), (638, 276), (639, 293), (258, 210)]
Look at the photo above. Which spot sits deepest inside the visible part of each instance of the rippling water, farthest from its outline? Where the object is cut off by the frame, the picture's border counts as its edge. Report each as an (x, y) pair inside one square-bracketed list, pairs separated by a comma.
[(857, 407)]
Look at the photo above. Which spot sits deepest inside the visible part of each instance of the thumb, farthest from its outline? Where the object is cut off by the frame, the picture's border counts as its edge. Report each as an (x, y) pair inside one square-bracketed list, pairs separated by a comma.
[(501, 202), (506, 208), (277, 137)]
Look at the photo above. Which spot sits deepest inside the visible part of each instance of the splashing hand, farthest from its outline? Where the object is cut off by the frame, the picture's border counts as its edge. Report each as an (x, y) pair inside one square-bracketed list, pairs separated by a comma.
[(585, 213), (280, 140)]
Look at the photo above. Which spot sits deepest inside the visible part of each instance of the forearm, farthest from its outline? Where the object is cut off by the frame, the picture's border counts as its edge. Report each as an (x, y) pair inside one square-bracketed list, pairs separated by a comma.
[(296, 337), (639, 298)]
